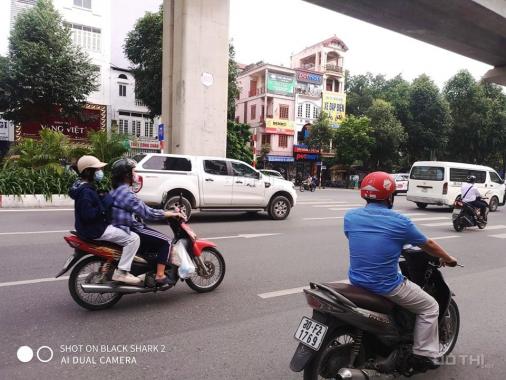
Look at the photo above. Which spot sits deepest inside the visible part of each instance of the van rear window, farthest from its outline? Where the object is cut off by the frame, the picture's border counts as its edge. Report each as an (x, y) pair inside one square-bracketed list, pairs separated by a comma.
[(460, 175), (427, 173), (168, 163)]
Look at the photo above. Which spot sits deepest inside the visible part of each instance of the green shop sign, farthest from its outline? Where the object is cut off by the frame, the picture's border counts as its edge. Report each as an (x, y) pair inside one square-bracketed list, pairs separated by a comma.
[(280, 84)]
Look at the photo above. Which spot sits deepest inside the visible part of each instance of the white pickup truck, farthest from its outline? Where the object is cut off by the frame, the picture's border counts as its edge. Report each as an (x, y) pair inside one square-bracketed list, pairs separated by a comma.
[(210, 184)]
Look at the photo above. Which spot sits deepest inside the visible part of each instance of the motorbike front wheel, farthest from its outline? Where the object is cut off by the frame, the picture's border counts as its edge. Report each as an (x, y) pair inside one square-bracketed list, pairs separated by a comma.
[(88, 271), (215, 265), (449, 329), (333, 355)]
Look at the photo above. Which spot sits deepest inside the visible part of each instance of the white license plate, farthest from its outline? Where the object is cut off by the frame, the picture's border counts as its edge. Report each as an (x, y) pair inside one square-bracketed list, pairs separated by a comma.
[(310, 333)]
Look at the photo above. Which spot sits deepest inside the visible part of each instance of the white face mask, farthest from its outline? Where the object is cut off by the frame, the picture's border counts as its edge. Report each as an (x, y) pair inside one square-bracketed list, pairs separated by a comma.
[(99, 175)]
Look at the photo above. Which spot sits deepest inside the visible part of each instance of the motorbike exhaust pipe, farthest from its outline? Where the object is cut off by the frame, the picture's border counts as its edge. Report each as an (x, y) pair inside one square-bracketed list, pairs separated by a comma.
[(362, 374), (105, 288)]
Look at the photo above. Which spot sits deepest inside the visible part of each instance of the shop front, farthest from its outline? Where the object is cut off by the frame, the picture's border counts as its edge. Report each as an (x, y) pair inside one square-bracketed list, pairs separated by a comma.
[(306, 161)]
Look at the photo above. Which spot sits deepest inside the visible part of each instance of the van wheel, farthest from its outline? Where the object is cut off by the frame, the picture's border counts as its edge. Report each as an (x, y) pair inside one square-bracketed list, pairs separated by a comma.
[(421, 205), (279, 208), (184, 205), (494, 204)]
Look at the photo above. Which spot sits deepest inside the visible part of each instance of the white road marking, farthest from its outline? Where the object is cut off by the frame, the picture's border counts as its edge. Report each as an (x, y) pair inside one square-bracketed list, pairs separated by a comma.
[(438, 224), (35, 281), (35, 209), (342, 209), (445, 237), (286, 292), (412, 214), (325, 218), (244, 236), (497, 227), (431, 218), (34, 232), (499, 236), (339, 205)]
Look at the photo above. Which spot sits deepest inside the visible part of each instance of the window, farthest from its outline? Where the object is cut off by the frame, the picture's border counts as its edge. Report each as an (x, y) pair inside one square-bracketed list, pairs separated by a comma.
[(122, 90), (242, 170), (216, 167), (427, 173), (123, 126), (122, 76), (283, 111), (495, 178), (460, 175), (179, 164), (283, 141), (148, 128), (83, 3), (136, 128), (328, 85), (138, 157), (299, 110), (262, 114), (308, 110), (253, 112), (315, 112), (266, 139), (86, 37)]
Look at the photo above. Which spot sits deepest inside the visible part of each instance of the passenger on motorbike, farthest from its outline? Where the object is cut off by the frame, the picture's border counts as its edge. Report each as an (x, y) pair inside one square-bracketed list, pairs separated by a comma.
[(472, 196), (92, 219), (127, 206), (376, 235)]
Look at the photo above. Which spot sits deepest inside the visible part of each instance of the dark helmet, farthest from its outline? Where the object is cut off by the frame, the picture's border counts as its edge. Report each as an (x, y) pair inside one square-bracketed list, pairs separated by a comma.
[(121, 171), (471, 179)]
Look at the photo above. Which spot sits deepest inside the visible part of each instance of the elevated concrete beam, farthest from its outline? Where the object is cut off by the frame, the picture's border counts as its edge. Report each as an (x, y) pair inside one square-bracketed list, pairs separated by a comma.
[(473, 28)]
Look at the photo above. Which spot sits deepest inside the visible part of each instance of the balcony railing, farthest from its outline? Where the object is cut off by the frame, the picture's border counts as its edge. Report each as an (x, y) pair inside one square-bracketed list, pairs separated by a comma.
[(334, 68), (256, 91)]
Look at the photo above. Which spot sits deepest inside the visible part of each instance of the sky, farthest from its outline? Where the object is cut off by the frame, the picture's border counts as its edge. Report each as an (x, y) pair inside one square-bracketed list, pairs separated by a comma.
[(271, 30)]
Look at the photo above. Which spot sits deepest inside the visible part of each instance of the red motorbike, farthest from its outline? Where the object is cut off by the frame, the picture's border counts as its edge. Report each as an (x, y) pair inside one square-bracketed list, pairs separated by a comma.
[(93, 263)]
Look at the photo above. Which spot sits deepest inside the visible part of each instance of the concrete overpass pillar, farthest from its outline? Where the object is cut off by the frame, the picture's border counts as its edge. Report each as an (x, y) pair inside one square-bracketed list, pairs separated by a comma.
[(195, 76)]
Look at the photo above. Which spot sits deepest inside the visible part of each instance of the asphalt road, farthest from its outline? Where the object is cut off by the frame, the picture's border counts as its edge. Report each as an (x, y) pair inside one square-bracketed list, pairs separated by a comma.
[(244, 329)]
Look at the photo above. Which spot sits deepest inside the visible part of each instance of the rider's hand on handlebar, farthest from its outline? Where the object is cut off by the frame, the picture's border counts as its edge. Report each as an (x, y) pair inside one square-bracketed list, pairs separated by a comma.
[(173, 214), (449, 262)]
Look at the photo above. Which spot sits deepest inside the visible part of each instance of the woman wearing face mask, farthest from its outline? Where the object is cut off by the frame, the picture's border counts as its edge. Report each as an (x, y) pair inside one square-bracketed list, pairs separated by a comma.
[(91, 217)]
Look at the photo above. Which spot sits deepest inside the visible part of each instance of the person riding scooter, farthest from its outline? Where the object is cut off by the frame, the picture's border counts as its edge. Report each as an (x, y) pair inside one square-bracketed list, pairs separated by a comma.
[(126, 207), (376, 235), (472, 196)]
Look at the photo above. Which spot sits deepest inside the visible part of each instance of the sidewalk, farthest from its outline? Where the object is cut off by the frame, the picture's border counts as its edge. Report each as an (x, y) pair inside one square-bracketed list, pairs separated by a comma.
[(35, 201)]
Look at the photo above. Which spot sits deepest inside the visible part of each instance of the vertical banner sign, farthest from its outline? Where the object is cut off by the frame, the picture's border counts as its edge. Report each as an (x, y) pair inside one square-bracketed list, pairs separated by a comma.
[(280, 84), (161, 136), (334, 104)]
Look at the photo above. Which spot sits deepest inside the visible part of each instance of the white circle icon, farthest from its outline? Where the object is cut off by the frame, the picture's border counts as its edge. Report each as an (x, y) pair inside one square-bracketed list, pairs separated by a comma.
[(45, 359), (25, 354)]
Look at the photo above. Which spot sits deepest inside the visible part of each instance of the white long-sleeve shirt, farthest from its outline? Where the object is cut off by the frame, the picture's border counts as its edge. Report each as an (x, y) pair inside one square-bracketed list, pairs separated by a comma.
[(472, 194)]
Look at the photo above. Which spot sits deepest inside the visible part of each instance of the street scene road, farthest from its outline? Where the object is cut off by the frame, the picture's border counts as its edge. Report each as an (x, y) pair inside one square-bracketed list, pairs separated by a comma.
[(244, 329)]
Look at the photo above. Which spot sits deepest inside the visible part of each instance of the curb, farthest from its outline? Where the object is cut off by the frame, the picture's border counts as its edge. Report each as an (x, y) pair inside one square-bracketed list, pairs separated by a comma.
[(35, 201)]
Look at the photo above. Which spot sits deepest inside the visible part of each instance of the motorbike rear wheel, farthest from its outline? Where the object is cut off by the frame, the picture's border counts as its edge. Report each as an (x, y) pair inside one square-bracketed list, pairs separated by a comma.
[(215, 264), (87, 271), (333, 355), (457, 225)]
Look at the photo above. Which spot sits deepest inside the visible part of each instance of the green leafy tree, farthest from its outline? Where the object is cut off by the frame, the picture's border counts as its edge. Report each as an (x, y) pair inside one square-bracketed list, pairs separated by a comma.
[(233, 87), (320, 133), (429, 121), (107, 148), (353, 140), (44, 72), (361, 90), (143, 47), (238, 139), (388, 134)]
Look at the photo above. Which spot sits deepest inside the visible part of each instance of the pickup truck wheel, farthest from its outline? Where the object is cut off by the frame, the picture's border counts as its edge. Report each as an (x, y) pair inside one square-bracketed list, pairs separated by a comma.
[(494, 203), (185, 206), (279, 208), (421, 205)]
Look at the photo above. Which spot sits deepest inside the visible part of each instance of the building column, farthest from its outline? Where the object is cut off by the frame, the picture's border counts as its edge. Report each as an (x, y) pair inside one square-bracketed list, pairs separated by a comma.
[(195, 76)]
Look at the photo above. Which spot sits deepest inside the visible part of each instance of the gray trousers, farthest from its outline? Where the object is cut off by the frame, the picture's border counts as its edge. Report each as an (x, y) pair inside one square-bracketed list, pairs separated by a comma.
[(129, 241), (413, 298)]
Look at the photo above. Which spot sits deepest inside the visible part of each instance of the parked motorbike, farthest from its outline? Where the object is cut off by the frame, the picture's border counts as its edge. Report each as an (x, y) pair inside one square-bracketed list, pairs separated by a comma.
[(93, 262), (309, 186), (466, 215), (355, 334)]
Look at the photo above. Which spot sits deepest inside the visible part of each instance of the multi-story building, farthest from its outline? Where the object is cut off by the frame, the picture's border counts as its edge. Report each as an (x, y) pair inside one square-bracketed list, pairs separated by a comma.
[(129, 115), (267, 103)]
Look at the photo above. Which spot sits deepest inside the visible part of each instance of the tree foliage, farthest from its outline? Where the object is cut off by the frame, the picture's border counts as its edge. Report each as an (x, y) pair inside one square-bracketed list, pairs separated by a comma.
[(233, 87), (44, 72), (143, 47), (238, 139), (353, 140), (320, 133)]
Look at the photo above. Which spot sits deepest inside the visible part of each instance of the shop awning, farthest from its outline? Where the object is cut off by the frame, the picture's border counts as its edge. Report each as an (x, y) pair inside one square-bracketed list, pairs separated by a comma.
[(280, 158)]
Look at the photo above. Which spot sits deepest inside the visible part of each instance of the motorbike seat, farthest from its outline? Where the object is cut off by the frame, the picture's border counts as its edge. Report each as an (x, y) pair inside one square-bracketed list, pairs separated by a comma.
[(363, 298), (98, 242)]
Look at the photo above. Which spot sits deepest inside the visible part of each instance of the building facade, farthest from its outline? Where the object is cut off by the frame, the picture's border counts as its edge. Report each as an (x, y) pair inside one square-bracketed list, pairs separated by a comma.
[(267, 103)]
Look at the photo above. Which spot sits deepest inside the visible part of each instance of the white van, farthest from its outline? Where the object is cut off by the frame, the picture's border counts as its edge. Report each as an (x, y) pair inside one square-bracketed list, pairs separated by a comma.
[(438, 183)]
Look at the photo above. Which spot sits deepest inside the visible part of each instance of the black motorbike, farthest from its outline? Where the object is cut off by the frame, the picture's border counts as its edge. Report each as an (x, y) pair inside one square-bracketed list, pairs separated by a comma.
[(309, 186), (355, 334), (466, 215)]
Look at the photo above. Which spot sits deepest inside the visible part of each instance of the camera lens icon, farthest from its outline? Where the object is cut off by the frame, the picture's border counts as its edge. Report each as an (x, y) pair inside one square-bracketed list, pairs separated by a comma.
[(44, 354)]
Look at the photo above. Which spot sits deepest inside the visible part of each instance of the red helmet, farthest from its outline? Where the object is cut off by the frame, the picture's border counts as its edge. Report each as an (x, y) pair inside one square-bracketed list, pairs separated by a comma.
[(378, 186)]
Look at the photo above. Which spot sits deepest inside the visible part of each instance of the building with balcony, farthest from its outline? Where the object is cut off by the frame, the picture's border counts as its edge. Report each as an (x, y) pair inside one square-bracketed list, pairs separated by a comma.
[(267, 103)]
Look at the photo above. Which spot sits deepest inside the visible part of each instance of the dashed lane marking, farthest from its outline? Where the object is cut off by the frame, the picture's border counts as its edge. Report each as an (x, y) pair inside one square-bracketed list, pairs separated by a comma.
[(325, 218), (431, 218), (438, 224)]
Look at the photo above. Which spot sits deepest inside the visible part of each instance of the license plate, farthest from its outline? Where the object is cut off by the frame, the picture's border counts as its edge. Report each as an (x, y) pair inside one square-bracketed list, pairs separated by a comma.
[(310, 333)]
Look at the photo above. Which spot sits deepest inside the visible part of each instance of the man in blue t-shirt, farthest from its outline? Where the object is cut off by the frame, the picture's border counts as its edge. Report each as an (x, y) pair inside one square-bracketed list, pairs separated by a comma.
[(376, 235)]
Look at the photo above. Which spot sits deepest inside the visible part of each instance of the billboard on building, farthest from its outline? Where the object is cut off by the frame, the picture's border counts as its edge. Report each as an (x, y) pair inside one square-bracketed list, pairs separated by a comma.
[(280, 84), (334, 105), (4, 130), (93, 118), (282, 127), (308, 77)]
